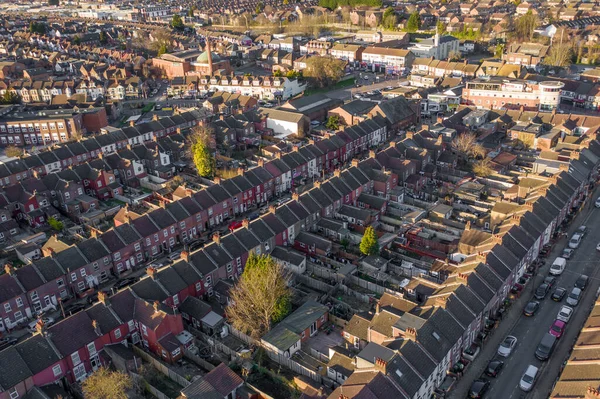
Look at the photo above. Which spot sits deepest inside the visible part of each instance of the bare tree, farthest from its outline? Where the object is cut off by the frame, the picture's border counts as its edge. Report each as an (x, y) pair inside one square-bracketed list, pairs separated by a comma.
[(483, 168), (106, 384), (561, 52), (466, 146), (260, 297)]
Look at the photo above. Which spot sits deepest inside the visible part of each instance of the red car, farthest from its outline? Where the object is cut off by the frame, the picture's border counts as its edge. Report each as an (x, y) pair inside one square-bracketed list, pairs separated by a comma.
[(236, 224), (557, 328)]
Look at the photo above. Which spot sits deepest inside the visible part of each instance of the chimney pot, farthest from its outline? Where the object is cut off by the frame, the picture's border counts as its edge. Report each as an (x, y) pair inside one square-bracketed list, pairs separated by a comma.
[(185, 255), (156, 306), (217, 238), (151, 271)]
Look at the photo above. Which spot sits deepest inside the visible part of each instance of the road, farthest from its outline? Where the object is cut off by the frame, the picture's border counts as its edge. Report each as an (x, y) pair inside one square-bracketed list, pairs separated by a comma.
[(530, 330), (367, 85)]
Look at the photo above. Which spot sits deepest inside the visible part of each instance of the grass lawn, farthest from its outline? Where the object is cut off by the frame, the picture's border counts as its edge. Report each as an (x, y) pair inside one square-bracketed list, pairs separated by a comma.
[(148, 107), (342, 84)]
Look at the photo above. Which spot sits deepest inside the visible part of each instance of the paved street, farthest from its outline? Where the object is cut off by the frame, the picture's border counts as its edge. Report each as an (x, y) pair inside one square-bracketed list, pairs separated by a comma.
[(530, 330)]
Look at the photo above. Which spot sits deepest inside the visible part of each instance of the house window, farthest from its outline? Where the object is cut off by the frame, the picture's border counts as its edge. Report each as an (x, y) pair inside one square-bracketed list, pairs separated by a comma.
[(229, 268), (118, 333), (207, 281), (81, 286), (82, 272), (106, 260), (173, 229), (91, 349), (14, 394), (171, 241), (155, 237), (73, 276), (19, 302), (60, 283), (34, 296), (96, 267), (117, 256), (131, 325), (7, 307), (144, 330), (56, 370), (75, 358), (137, 246), (198, 287), (139, 257), (165, 233), (175, 299)]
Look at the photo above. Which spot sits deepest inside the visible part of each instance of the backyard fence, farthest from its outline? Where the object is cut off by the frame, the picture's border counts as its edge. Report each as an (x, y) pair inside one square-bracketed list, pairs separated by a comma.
[(161, 366)]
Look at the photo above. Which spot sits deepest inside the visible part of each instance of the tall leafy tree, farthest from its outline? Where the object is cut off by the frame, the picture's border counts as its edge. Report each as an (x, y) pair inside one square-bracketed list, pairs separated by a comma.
[(323, 71), (177, 22), (201, 151), (525, 25), (414, 22), (369, 244), (10, 97), (261, 297), (333, 122)]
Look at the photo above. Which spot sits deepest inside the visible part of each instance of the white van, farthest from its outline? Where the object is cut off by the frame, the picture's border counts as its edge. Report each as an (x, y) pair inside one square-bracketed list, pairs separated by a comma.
[(528, 378), (558, 266)]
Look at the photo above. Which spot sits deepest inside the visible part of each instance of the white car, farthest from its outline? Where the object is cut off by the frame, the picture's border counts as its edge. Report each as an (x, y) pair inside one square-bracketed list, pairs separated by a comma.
[(507, 346), (575, 241), (564, 314), (598, 247), (48, 321), (528, 378), (597, 204)]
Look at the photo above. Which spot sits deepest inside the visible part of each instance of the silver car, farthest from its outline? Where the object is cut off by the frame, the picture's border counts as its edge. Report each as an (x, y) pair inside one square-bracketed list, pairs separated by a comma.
[(506, 347)]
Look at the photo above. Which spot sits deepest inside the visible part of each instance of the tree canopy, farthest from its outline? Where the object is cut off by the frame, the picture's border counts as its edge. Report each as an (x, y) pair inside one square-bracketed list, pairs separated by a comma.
[(324, 71), (13, 151), (55, 223), (106, 384), (76, 39), (177, 22), (483, 167), (525, 25), (201, 151), (414, 22), (35, 27), (333, 122), (368, 243), (10, 97), (261, 296), (389, 19), (333, 4)]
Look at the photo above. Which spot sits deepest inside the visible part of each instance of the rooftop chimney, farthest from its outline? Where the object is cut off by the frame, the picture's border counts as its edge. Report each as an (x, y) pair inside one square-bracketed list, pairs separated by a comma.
[(409, 135), (410, 333), (132, 123), (377, 308), (96, 328), (337, 173), (468, 225), (295, 196), (103, 298), (156, 306), (372, 154), (217, 238), (185, 255), (272, 209), (381, 365), (151, 271), (40, 327), (246, 223), (209, 57), (355, 162), (9, 269)]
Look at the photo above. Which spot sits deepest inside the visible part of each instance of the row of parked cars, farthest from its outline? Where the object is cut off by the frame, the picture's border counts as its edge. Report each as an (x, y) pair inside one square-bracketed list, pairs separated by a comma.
[(556, 330)]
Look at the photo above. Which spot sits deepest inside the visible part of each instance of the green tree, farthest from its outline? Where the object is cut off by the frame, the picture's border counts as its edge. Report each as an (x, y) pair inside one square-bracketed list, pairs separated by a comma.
[(324, 71), (259, 7), (440, 27), (76, 40), (333, 122), (55, 224), (177, 22), (261, 297), (414, 22), (201, 151), (103, 38), (10, 97), (277, 74), (191, 11), (368, 243), (389, 19), (499, 51), (13, 151), (286, 2), (106, 384), (162, 50)]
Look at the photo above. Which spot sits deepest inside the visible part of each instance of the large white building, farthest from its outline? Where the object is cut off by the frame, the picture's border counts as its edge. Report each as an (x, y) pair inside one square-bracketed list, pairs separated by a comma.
[(438, 47)]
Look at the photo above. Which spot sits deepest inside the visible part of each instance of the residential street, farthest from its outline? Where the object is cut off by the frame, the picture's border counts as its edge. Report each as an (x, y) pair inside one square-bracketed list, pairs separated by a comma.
[(530, 330)]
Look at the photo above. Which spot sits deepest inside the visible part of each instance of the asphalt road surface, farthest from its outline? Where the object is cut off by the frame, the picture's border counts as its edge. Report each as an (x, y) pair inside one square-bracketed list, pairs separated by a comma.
[(530, 330)]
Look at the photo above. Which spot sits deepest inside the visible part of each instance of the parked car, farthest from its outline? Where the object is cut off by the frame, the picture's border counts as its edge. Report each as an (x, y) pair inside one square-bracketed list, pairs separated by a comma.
[(565, 313), (597, 204), (494, 367), (478, 389), (567, 253), (542, 291), (531, 308), (574, 296), (557, 328), (550, 280), (582, 230), (506, 347), (74, 308), (581, 282), (236, 224), (598, 247), (558, 266), (5, 342), (559, 294), (48, 321), (528, 378), (124, 283), (575, 241), (545, 347)]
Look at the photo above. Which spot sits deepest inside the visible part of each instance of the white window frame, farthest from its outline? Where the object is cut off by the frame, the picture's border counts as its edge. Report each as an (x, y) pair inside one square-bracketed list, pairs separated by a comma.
[(56, 370)]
